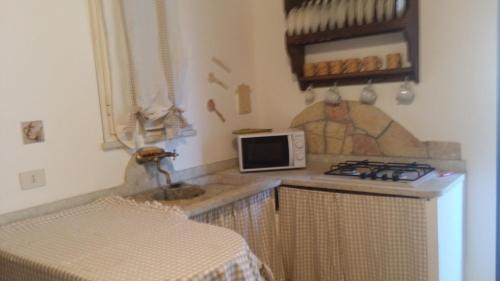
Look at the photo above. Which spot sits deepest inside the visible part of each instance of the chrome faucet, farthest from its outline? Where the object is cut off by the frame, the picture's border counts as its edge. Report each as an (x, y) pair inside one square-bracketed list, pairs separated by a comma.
[(156, 154)]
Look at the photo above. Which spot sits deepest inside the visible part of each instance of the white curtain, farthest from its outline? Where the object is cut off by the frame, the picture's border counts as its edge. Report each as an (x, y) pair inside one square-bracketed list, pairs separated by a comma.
[(142, 77)]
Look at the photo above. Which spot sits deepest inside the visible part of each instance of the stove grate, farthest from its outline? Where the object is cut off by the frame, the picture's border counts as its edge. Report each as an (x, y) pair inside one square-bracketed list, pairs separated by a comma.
[(381, 170)]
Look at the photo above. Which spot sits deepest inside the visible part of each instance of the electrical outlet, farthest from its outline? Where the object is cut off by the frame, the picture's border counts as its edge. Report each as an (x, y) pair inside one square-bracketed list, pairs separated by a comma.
[(32, 179)]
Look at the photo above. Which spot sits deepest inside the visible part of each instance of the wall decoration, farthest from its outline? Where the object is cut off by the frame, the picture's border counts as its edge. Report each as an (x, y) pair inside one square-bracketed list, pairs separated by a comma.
[(221, 64), (244, 99), (212, 108), (352, 128), (32, 132), (213, 79)]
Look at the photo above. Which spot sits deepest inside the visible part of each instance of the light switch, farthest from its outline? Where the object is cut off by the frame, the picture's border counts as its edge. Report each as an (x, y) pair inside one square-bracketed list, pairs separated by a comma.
[(32, 179)]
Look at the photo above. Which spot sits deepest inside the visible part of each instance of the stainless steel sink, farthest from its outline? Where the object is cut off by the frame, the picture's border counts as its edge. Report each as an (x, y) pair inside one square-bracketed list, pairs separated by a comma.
[(181, 193), (193, 191)]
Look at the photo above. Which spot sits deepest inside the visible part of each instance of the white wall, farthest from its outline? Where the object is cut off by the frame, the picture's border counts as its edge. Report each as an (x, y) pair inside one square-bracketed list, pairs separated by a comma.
[(47, 72), (456, 99), (220, 28)]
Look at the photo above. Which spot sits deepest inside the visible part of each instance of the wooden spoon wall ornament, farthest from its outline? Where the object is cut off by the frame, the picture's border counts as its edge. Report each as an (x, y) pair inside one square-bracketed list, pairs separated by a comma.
[(213, 79), (221, 64), (212, 108), (244, 101)]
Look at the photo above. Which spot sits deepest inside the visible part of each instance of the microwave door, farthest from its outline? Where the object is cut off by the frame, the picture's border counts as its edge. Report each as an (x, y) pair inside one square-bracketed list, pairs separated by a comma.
[(265, 152)]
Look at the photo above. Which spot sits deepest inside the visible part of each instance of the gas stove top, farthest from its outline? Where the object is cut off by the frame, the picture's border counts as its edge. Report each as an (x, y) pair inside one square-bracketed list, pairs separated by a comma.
[(381, 171)]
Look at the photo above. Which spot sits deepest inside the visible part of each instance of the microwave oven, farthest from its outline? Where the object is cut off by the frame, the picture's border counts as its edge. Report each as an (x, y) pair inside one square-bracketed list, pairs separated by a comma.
[(272, 151)]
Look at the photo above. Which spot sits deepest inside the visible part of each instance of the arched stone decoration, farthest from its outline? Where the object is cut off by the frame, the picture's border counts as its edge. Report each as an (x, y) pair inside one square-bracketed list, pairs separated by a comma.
[(352, 128)]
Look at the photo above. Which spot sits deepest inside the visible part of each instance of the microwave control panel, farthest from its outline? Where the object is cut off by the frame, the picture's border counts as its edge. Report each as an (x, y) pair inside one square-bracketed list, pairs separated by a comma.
[(299, 149)]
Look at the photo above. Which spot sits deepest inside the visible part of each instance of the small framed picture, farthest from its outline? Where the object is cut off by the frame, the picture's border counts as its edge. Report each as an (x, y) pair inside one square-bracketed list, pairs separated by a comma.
[(32, 132)]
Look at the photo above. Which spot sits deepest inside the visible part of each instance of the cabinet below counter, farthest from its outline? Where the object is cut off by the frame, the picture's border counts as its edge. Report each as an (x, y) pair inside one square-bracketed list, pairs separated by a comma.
[(358, 227), (254, 218), (329, 235), (333, 234), (363, 229)]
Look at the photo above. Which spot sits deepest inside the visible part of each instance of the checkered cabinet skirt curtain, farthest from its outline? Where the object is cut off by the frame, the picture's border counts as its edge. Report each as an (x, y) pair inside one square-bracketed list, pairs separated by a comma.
[(254, 219), (350, 237)]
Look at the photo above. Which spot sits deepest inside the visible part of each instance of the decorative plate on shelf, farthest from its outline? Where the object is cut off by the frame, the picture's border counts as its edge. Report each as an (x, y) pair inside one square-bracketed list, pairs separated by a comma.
[(332, 20), (341, 13), (299, 21), (389, 9), (360, 11), (351, 12), (306, 20), (324, 15), (380, 10), (400, 8), (369, 11), (314, 17), (290, 21)]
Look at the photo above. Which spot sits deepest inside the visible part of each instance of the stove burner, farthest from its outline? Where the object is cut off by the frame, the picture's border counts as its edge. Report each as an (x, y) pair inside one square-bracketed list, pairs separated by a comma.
[(380, 170)]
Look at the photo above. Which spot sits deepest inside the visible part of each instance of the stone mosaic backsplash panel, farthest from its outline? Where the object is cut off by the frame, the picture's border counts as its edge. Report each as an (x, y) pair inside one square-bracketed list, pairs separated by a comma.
[(352, 128)]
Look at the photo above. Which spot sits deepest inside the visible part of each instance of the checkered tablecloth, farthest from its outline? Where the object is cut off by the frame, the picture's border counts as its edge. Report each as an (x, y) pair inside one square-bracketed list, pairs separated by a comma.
[(117, 239)]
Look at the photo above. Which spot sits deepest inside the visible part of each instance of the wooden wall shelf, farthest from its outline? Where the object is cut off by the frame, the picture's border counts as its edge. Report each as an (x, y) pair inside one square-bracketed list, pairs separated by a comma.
[(358, 78), (408, 25)]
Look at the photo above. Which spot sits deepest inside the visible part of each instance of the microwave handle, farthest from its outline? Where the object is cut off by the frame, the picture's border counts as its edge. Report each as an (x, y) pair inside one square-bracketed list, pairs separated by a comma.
[(291, 150), (240, 153)]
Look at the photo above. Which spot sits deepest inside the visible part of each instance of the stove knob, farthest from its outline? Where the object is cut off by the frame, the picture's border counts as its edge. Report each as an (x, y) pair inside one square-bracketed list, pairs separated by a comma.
[(363, 175), (385, 177), (373, 176), (395, 178)]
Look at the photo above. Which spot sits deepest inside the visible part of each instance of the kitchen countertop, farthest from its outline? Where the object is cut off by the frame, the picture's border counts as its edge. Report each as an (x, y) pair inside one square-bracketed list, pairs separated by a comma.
[(225, 184), (230, 185), (220, 189)]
